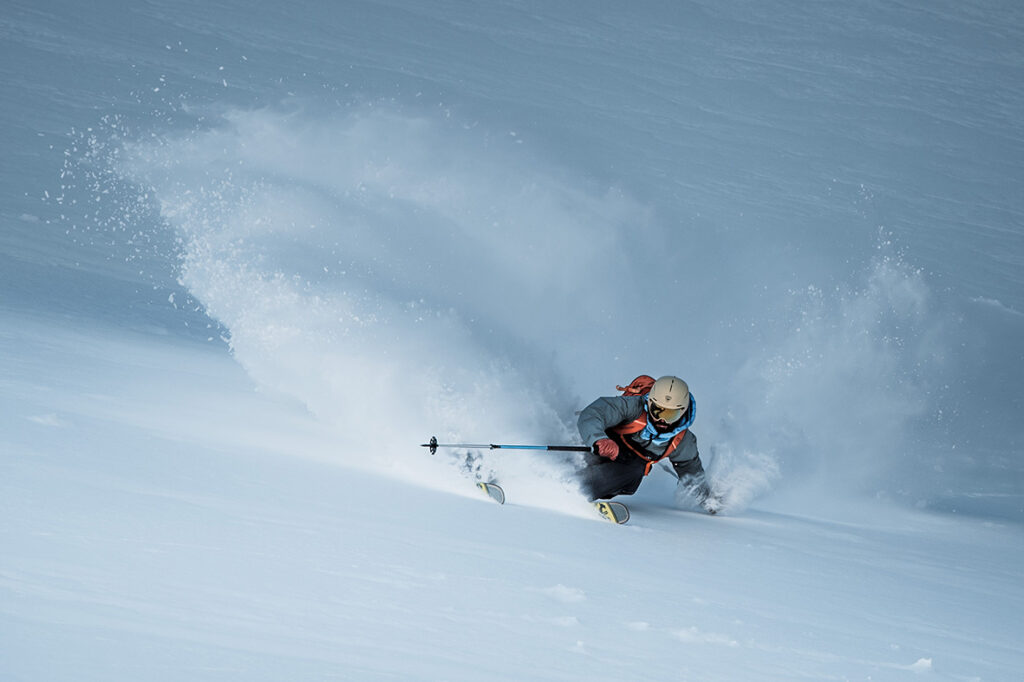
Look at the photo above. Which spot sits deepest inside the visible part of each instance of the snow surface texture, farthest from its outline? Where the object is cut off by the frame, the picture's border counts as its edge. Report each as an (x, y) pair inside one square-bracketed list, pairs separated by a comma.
[(252, 255)]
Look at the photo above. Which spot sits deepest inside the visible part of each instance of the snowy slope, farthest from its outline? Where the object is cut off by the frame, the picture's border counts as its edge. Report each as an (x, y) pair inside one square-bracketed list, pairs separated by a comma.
[(136, 548), (237, 549), (252, 255)]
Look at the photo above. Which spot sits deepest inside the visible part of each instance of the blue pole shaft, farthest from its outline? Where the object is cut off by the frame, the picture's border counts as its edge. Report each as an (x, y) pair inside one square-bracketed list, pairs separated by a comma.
[(434, 445)]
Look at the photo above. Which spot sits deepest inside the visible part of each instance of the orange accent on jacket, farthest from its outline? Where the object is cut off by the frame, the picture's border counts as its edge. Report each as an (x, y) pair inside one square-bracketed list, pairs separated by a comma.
[(638, 425)]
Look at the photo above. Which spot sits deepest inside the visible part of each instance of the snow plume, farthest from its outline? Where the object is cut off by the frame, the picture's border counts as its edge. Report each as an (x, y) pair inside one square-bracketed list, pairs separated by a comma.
[(737, 478), (398, 276), (407, 276), (846, 381)]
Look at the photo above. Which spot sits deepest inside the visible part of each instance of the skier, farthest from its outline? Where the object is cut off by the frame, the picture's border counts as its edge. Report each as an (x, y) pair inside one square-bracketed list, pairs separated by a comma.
[(629, 433)]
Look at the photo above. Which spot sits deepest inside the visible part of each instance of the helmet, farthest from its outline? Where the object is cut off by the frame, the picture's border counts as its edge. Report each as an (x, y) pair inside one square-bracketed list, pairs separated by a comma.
[(669, 399), (670, 392)]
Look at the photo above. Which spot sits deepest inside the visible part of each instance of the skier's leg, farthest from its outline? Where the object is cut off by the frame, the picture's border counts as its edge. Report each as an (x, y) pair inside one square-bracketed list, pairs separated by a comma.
[(601, 478)]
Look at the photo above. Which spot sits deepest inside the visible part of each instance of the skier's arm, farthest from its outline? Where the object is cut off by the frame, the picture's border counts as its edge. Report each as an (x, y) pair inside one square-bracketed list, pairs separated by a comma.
[(692, 479), (604, 413), (688, 467)]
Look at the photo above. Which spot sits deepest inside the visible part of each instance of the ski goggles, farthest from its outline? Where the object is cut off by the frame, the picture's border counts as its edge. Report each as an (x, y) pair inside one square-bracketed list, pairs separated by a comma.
[(664, 414)]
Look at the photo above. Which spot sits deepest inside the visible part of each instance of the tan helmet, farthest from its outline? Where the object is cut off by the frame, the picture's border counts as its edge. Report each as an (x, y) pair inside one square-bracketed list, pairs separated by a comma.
[(670, 393)]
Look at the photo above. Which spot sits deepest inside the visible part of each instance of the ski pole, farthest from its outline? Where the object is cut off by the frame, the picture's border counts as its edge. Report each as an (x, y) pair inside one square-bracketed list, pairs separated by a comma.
[(434, 445)]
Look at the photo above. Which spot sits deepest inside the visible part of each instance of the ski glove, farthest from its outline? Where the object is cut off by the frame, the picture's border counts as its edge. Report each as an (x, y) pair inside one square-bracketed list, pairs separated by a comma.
[(607, 448)]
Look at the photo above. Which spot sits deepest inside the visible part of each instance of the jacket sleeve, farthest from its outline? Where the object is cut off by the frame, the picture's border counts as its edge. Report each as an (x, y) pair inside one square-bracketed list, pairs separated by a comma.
[(688, 467), (605, 413)]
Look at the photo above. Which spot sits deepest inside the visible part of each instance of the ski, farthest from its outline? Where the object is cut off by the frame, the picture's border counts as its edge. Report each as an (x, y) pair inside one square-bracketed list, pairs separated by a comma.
[(616, 512), (493, 491)]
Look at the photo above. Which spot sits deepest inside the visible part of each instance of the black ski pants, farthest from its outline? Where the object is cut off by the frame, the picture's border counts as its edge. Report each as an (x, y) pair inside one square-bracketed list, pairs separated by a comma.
[(603, 478)]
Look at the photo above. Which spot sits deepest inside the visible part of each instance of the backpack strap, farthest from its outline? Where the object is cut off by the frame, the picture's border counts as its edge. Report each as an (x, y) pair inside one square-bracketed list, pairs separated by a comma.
[(636, 426)]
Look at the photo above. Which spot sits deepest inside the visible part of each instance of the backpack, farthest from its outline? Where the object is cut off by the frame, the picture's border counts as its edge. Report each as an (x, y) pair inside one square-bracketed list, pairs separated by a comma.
[(639, 386)]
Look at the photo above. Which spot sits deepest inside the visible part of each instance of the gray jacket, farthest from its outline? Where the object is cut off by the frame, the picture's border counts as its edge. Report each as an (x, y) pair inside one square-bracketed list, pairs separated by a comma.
[(599, 417)]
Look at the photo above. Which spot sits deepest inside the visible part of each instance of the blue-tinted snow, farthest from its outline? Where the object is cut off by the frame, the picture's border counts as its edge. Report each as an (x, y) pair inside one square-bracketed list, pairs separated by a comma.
[(251, 255)]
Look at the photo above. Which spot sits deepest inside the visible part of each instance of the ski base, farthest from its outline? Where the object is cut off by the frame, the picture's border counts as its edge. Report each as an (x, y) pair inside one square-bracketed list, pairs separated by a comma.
[(616, 512), (493, 491)]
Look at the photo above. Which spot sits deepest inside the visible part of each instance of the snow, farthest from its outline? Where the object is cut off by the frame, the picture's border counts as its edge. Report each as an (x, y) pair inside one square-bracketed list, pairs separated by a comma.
[(252, 257)]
